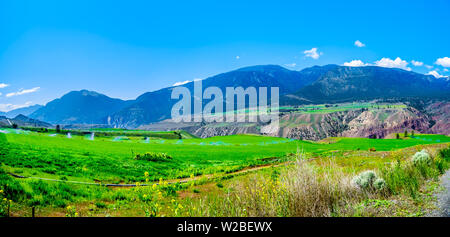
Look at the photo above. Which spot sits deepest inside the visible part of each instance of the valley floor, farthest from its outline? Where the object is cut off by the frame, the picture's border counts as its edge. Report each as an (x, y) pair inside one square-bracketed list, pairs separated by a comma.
[(239, 175)]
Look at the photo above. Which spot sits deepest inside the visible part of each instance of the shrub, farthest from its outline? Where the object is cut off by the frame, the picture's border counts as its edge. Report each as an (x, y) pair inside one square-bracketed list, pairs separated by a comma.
[(368, 180), (409, 176), (100, 205), (445, 154), (421, 157), (153, 156), (379, 184)]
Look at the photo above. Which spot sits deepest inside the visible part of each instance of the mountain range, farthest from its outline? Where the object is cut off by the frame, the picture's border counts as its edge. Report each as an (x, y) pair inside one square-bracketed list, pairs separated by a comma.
[(23, 121), (314, 85), (24, 111)]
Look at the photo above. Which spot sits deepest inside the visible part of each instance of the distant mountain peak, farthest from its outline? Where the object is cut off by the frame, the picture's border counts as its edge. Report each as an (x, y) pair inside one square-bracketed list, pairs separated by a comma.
[(84, 92), (79, 107), (262, 68)]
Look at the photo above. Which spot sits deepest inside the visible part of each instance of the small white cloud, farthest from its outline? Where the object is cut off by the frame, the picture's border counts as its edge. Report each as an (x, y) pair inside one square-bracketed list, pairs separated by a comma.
[(435, 74), (355, 63), (238, 57), (389, 63), (445, 61), (428, 66), (290, 65), (1, 94), (22, 92), (417, 63), (359, 44), (312, 53), (180, 83), (445, 70), (3, 85), (9, 107)]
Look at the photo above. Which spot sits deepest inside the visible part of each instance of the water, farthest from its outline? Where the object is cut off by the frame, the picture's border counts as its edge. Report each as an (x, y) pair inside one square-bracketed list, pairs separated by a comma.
[(120, 138), (92, 136), (69, 135)]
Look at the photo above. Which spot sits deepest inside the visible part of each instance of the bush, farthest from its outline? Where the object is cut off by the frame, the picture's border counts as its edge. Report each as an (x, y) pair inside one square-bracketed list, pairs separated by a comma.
[(379, 184), (409, 176), (445, 154), (421, 157), (100, 205), (153, 156), (368, 180)]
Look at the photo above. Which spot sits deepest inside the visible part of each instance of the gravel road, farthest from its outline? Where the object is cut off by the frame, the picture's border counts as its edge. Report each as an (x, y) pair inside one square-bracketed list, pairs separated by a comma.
[(443, 197)]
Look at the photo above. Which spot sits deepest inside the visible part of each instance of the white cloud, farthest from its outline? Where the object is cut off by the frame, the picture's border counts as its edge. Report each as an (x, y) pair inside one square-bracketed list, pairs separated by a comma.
[(290, 65), (435, 74), (3, 85), (397, 63), (417, 63), (180, 83), (238, 57), (445, 70), (9, 107), (312, 53), (356, 63), (445, 61), (428, 66), (1, 94), (359, 44), (22, 92)]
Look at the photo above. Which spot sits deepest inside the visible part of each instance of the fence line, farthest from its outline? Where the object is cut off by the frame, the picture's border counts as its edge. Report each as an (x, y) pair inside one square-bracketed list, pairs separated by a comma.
[(87, 183)]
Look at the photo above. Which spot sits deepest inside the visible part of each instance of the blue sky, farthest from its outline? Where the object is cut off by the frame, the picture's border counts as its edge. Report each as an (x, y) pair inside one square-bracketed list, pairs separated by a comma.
[(126, 48)]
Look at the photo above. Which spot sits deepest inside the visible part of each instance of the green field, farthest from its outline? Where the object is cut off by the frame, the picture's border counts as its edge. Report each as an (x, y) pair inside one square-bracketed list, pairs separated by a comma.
[(112, 159), (323, 108)]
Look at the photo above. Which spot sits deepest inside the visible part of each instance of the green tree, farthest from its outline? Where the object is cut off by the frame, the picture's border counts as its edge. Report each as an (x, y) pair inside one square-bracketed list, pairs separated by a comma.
[(58, 128), (398, 136), (406, 133)]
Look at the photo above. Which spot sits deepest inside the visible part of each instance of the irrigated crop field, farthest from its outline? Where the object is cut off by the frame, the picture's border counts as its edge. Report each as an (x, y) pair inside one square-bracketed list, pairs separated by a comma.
[(130, 157)]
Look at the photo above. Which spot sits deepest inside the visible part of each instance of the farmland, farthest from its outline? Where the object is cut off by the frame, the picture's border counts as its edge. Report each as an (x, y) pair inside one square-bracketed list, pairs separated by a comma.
[(111, 158)]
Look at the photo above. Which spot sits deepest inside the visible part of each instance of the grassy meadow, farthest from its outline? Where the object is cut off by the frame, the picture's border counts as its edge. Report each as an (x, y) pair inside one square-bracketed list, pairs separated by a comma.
[(220, 175)]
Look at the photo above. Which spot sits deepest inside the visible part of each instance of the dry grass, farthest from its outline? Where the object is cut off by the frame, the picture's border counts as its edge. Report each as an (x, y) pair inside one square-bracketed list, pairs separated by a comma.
[(302, 190)]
